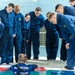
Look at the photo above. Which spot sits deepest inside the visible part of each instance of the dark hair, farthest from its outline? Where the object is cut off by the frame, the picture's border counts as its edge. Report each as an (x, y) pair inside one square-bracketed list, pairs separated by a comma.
[(71, 0), (27, 15), (50, 16), (48, 13), (57, 6), (11, 5), (38, 9)]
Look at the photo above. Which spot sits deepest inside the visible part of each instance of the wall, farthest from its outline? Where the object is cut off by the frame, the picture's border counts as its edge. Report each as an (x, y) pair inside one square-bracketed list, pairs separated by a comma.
[(29, 5)]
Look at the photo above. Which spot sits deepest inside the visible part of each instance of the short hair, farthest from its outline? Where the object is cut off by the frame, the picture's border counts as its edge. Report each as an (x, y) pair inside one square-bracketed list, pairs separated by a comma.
[(48, 13), (11, 5), (17, 8), (57, 6), (27, 15), (38, 9), (50, 16), (71, 0), (22, 57)]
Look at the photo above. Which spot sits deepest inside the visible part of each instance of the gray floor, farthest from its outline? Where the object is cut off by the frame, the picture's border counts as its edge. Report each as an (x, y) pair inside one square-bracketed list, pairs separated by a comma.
[(48, 64)]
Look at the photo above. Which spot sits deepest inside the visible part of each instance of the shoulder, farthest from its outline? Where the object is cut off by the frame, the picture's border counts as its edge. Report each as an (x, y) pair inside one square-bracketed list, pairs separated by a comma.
[(21, 14), (32, 65), (1, 11), (12, 67), (69, 7), (31, 13), (41, 16), (46, 21), (12, 13)]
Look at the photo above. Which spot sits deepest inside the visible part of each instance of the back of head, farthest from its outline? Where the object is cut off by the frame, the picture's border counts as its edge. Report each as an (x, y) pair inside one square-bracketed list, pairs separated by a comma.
[(22, 58), (17, 9), (48, 14)]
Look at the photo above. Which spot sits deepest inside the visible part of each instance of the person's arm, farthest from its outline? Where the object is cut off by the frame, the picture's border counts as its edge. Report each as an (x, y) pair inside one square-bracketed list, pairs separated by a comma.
[(42, 22), (65, 36), (22, 21), (1, 29), (14, 26), (11, 68), (28, 35), (69, 25), (34, 66), (59, 32)]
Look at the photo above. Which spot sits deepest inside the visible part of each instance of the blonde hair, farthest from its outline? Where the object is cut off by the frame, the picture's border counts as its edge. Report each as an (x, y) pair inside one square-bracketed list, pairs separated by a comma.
[(22, 57), (51, 15)]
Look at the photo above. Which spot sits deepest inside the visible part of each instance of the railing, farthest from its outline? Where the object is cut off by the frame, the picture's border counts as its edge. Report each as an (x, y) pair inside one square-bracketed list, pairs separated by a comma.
[(42, 38)]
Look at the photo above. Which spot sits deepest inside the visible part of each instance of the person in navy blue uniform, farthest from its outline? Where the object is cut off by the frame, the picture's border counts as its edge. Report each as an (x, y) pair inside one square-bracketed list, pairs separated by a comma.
[(19, 26), (21, 68), (66, 23), (36, 22), (6, 42), (25, 33), (72, 2), (1, 28), (52, 39), (66, 10)]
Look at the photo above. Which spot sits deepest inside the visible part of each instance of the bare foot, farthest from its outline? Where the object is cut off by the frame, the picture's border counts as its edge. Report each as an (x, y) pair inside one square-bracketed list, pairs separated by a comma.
[(64, 69), (74, 69)]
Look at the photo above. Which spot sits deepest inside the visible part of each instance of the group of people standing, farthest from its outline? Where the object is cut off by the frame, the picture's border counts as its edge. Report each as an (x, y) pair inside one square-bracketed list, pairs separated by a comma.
[(23, 31), (19, 31), (65, 21)]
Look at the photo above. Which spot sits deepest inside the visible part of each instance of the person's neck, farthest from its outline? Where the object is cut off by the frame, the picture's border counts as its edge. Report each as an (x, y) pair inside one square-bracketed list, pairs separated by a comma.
[(21, 62)]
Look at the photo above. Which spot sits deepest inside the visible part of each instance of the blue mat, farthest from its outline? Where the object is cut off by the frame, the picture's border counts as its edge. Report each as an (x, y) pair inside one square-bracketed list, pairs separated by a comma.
[(53, 72)]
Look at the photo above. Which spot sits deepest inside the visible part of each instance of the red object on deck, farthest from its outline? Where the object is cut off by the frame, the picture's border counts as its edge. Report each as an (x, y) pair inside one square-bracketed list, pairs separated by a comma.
[(3, 69), (40, 69)]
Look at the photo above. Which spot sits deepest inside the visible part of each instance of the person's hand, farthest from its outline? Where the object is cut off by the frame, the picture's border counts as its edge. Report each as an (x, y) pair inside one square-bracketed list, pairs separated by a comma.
[(14, 35), (27, 40), (61, 39), (67, 45), (74, 69)]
